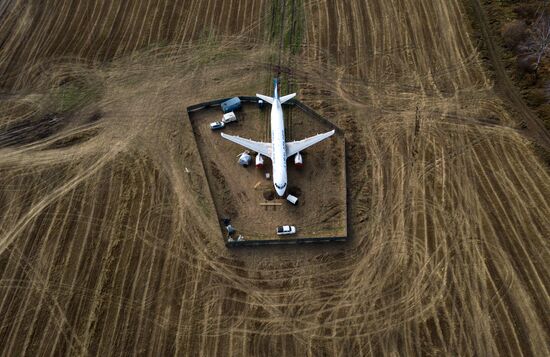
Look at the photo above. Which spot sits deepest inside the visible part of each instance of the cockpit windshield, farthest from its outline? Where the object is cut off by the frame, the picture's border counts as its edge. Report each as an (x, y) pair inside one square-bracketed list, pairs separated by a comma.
[(280, 187)]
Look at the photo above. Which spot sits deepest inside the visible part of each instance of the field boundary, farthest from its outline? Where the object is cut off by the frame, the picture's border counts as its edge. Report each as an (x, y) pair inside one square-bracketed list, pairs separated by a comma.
[(257, 242)]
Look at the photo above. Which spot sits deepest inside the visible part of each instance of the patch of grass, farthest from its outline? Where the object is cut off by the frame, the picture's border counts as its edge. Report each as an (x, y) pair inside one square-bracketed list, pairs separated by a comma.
[(73, 95), (295, 29), (290, 27)]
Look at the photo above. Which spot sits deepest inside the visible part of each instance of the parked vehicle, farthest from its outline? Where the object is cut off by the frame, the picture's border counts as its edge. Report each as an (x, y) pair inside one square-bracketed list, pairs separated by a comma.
[(217, 125), (231, 104), (230, 229), (282, 230), (229, 117), (245, 159), (292, 199)]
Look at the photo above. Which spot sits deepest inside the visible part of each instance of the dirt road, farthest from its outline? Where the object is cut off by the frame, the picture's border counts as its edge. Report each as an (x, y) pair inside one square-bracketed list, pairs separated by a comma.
[(106, 247), (535, 127)]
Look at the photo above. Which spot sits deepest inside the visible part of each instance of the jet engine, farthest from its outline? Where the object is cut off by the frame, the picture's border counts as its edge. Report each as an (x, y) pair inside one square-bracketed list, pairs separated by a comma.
[(298, 160), (259, 161)]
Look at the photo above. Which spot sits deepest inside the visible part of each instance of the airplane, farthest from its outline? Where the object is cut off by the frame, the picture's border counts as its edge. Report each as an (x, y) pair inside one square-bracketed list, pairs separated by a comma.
[(278, 150)]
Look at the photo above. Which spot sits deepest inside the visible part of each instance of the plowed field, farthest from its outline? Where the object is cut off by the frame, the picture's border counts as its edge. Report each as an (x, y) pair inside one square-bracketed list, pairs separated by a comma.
[(108, 248)]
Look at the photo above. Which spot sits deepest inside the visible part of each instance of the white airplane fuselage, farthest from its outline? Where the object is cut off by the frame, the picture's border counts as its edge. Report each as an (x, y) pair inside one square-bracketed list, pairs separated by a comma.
[(278, 147)]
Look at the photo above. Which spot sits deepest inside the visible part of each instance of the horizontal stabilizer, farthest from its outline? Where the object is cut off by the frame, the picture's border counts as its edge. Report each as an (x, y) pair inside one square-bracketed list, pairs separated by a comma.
[(265, 98), (257, 146), (297, 146), (287, 97)]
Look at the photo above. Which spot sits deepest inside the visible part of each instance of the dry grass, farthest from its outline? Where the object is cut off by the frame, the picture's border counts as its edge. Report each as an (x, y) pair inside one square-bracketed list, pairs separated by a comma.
[(107, 247)]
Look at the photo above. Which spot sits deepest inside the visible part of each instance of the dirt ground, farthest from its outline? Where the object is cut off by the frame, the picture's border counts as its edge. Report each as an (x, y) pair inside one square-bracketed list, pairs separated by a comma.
[(106, 247), (320, 184)]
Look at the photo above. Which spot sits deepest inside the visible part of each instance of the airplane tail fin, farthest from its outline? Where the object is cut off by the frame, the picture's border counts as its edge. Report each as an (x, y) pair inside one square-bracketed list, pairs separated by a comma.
[(265, 98), (270, 100), (287, 97)]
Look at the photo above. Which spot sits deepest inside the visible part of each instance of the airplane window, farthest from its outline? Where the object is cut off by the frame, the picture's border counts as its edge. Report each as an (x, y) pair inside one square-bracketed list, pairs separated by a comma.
[(280, 186)]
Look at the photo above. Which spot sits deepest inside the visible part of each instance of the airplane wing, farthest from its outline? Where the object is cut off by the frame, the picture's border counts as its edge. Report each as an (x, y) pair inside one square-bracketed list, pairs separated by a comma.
[(259, 147), (297, 146)]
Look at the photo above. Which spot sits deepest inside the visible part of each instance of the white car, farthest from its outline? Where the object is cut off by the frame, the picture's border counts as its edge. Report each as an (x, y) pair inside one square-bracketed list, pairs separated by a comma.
[(282, 230), (292, 199), (217, 125)]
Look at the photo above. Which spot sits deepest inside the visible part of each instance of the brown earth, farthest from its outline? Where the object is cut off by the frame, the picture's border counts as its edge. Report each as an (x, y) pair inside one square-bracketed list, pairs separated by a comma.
[(105, 248)]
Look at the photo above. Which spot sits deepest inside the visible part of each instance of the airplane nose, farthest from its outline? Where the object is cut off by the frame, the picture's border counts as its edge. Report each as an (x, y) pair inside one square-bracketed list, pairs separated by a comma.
[(280, 191)]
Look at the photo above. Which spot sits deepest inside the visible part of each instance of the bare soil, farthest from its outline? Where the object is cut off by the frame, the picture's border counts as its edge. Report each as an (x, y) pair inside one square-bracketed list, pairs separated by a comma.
[(107, 247)]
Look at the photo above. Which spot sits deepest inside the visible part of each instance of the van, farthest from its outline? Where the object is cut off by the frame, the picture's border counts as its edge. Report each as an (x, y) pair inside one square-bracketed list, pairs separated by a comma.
[(292, 199)]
